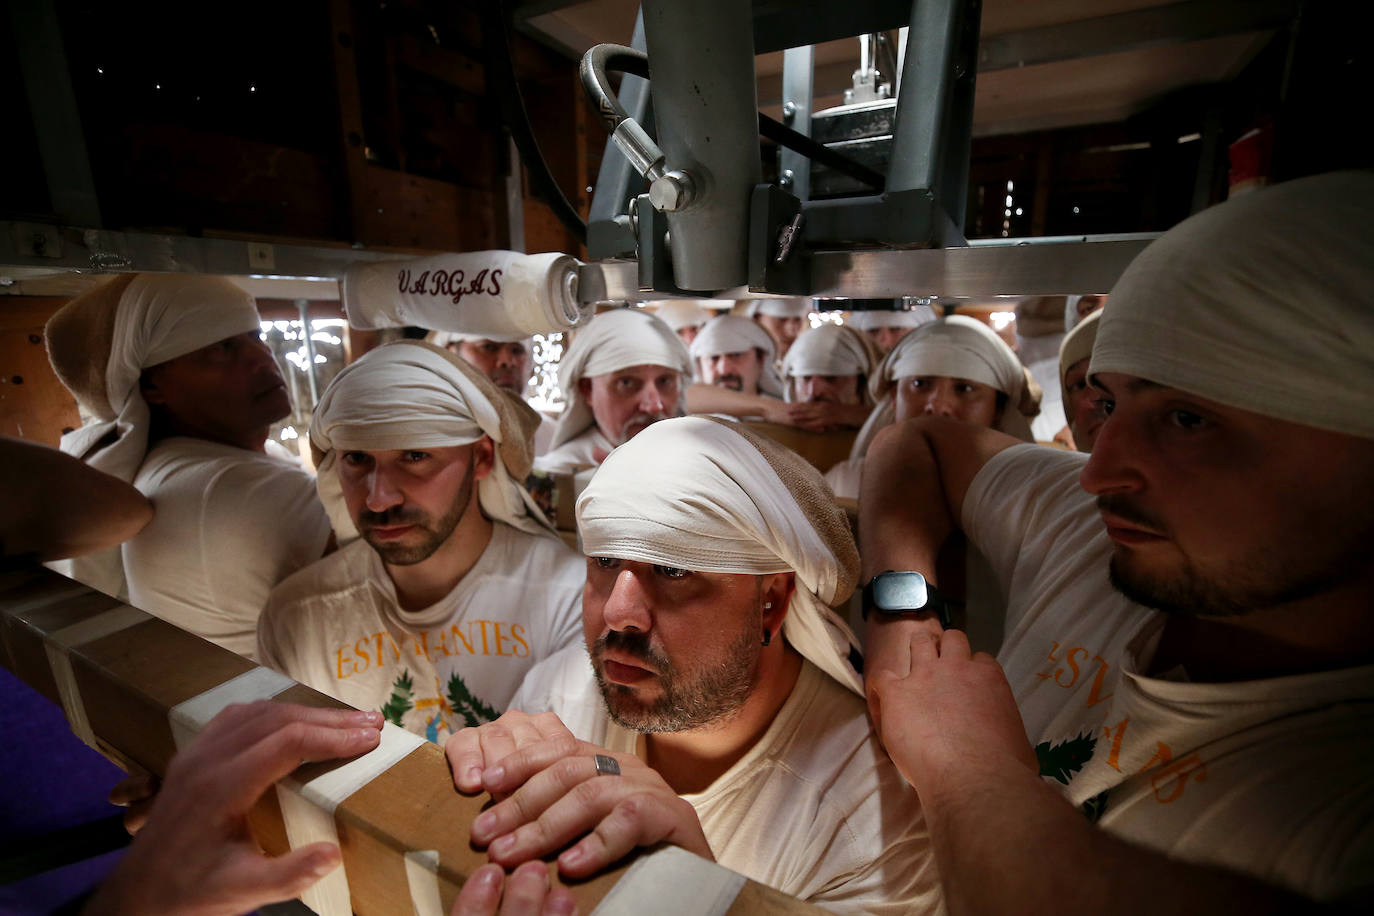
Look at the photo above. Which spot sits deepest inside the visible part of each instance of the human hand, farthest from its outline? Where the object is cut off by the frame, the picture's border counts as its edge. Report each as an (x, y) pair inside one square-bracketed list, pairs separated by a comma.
[(949, 710), (821, 416), (135, 792), (555, 795), (488, 892), (195, 854), (470, 751)]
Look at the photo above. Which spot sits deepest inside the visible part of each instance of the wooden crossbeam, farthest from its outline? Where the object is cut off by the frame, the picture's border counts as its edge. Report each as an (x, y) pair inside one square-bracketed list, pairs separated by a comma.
[(132, 686)]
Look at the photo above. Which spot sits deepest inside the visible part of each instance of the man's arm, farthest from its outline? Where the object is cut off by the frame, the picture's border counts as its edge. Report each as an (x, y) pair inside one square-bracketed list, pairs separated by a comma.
[(916, 475), (715, 399), (1004, 840), (60, 507)]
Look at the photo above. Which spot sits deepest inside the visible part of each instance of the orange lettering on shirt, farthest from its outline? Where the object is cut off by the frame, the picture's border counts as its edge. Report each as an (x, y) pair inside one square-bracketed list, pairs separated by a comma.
[(1170, 781), (339, 665), (517, 633), (483, 624), (1095, 694), (395, 649), (1162, 757), (1049, 672), (1072, 666), (500, 653), (360, 649), (458, 635), (1120, 732)]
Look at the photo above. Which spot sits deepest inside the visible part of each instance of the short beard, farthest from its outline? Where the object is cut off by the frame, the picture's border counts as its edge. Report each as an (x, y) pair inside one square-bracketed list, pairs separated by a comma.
[(710, 698), (435, 534)]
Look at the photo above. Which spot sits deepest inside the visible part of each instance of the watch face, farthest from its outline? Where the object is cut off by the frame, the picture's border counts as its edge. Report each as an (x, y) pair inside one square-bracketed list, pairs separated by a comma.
[(899, 591)]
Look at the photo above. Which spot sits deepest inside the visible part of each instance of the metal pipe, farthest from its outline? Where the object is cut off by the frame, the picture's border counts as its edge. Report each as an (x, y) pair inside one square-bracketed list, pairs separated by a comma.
[(304, 306)]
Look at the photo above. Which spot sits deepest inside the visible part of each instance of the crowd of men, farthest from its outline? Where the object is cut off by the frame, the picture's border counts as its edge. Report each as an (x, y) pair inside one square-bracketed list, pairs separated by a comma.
[(1138, 676)]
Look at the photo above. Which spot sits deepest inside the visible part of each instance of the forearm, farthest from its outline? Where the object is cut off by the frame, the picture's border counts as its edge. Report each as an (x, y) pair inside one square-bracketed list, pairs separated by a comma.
[(715, 399), (904, 515), (1007, 842)]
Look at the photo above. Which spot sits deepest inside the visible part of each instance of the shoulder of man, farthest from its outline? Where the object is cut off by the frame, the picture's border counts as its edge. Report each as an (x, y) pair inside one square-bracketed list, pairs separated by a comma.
[(343, 570)]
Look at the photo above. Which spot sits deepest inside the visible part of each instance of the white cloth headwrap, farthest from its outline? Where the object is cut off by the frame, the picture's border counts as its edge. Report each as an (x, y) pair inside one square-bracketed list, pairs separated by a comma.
[(158, 317), (954, 347), (780, 308), (444, 338), (873, 319), (613, 341), (684, 313), (700, 494), (735, 334), (829, 349), (409, 395), (1261, 303), (1077, 346), (1071, 318)]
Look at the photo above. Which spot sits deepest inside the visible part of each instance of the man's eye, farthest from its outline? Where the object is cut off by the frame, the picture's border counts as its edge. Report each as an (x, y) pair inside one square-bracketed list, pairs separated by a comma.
[(1186, 419), (671, 572), (1106, 405), (415, 456), (354, 459), (491, 348), (605, 562)]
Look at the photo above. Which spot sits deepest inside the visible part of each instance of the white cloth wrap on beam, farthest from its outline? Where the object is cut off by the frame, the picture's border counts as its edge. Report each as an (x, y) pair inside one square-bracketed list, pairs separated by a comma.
[(780, 308), (1260, 303), (829, 349), (58, 646), (478, 292), (410, 395), (614, 340), (696, 494), (679, 884), (736, 334)]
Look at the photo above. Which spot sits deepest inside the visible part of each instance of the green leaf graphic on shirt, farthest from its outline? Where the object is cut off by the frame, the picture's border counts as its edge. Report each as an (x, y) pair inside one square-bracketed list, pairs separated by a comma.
[(402, 699), (463, 703), (1062, 760)]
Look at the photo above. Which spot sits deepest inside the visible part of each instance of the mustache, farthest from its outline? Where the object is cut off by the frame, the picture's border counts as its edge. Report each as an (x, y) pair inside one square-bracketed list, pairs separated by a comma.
[(396, 515), (1124, 509), (636, 646)]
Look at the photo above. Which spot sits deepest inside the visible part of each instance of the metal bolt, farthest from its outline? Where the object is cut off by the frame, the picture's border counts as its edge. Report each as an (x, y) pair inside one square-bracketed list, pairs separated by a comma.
[(789, 111), (787, 238), (786, 179), (672, 191)]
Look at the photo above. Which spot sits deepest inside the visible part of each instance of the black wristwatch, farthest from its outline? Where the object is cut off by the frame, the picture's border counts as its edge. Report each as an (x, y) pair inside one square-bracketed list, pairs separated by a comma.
[(896, 593)]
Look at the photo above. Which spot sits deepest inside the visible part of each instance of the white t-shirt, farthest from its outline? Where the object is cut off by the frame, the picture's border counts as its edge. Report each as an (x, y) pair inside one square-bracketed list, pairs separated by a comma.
[(228, 524), (577, 452), (815, 809), (543, 434), (336, 626), (1268, 777)]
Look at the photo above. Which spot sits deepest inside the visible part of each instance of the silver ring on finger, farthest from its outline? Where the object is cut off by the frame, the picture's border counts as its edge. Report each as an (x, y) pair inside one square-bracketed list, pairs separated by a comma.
[(606, 766)]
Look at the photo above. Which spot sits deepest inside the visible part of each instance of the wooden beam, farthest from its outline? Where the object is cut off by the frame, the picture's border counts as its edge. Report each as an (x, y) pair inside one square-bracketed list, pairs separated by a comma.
[(119, 674), (352, 139)]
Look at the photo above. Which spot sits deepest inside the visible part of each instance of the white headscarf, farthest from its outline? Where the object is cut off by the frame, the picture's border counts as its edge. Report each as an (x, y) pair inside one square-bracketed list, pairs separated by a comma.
[(99, 345), (954, 347), (1260, 303), (735, 334), (613, 341), (444, 338), (708, 496), (780, 308), (685, 313), (412, 395), (829, 349), (873, 319), (1077, 346)]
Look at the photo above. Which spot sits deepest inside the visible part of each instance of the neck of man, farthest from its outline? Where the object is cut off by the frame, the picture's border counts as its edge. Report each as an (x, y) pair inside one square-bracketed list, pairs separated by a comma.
[(254, 440), (690, 761), (420, 585), (1325, 632)]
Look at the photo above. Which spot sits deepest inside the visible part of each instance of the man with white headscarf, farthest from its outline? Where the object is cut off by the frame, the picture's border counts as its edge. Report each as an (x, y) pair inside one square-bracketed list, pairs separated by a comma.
[(825, 377), (625, 370), (954, 367), (732, 352), (686, 316), (505, 360), (1189, 644), (184, 392), (720, 687), (437, 610), (783, 319), (886, 327), (1082, 403)]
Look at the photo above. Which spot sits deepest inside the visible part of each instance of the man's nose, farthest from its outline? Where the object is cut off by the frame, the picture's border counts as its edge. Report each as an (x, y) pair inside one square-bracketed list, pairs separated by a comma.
[(627, 606), (651, 400), (1114, 465), (940, 403), (382, 493)]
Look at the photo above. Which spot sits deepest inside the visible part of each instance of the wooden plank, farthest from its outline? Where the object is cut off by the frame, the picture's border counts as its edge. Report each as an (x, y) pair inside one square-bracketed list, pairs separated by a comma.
[(352, 140), (34, 405), (822, 450), (128, 680)]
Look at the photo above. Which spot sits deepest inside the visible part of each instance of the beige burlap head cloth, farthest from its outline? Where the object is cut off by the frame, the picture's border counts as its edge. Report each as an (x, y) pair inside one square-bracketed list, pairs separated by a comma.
[(1262, 303), (611, 342), (99, 345), (708, 496), (412, 395), (830, 349)]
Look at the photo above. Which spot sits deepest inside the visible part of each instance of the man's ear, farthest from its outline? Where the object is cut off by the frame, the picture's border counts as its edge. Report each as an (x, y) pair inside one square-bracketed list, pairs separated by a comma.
[(584, 388), (483, 457), (777, 591)]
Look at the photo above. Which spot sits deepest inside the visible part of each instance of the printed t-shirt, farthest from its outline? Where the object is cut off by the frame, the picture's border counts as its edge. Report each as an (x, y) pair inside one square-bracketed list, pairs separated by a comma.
[(228, 525), (815, 809), (1268, 777), (578, 452), (336, 626)]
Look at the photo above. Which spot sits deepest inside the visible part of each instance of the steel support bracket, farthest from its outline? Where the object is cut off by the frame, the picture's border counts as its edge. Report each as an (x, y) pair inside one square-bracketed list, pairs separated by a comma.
[(777, 256)]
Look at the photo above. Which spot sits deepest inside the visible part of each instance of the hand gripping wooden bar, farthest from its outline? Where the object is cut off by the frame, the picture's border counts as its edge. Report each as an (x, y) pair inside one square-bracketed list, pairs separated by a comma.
[(135, 688)]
